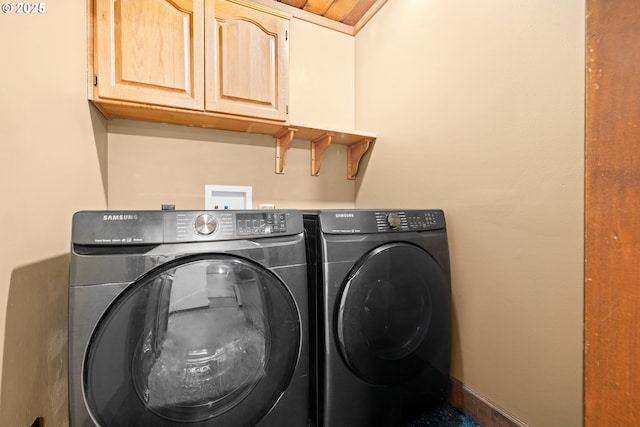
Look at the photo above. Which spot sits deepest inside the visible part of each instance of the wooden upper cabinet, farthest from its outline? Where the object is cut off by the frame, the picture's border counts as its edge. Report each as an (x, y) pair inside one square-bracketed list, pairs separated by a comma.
[(152, 53), (247, 60), (149, 51)]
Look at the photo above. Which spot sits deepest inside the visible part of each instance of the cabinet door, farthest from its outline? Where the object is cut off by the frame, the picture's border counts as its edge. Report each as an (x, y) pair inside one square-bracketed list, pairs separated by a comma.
[(247, 67), (150, 51)]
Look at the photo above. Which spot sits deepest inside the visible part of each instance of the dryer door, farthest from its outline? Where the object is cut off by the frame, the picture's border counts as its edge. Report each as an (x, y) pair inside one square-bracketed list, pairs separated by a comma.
[(393, 314), (200, 341)]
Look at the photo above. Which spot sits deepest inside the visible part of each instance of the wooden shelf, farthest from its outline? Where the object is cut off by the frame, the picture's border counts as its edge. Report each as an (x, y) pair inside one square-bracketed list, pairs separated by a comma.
[(283, 133), (318, 146), (283, 140), (320, 138)]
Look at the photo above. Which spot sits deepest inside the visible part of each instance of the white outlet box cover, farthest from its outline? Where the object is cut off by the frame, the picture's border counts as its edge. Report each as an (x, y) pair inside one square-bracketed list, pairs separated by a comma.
[(227, 197)]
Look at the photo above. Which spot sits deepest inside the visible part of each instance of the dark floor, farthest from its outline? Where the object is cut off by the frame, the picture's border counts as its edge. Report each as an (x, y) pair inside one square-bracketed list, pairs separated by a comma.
[(445, 416)]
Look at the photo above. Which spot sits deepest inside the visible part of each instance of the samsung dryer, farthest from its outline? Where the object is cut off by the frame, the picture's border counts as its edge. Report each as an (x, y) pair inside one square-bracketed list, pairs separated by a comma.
[(188, 318), (380, 302)]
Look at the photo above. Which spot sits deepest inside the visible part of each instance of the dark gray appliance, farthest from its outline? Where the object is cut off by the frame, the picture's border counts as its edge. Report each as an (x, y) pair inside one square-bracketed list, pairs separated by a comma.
[(188, 318), (380, 303)]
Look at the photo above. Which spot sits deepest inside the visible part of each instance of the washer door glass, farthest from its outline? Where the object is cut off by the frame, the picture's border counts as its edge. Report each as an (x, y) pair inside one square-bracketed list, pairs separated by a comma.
[(206, 340), (392, 314)]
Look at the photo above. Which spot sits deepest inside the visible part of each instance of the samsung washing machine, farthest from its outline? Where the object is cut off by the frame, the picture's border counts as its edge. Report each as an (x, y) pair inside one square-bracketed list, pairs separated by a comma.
[(188, 318), (380, 303)]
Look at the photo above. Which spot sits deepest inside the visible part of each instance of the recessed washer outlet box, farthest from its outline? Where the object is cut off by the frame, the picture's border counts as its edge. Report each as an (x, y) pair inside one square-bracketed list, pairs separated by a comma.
[(227, 197)]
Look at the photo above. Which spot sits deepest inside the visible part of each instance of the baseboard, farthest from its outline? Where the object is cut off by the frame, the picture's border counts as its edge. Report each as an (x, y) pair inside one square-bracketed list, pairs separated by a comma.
[(479, 409)]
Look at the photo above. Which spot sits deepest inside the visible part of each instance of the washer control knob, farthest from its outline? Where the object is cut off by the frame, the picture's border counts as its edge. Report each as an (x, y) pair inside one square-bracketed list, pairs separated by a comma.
[(205, 224), (393, 219)]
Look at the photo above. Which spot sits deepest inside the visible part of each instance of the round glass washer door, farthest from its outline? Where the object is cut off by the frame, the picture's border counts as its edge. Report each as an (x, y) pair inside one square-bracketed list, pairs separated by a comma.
[(390, 313), (200, 341)]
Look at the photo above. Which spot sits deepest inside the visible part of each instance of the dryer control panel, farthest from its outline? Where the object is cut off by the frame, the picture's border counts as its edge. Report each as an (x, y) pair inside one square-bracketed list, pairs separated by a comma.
[(380, 221), (407, 220)]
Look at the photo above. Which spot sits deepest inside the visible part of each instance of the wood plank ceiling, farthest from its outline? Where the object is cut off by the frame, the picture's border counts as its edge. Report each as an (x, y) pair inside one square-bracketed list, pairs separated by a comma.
[(348, 16), (348, 12)]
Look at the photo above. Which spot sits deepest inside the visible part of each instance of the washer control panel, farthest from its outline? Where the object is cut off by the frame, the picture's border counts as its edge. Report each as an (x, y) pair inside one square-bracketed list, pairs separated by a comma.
[(110, 228), (183, 226), (261, 223), (187, 226)]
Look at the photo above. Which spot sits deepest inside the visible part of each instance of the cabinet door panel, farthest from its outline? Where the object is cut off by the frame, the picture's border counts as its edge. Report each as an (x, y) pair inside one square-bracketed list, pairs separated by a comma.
[(150, 51), (247, 61)]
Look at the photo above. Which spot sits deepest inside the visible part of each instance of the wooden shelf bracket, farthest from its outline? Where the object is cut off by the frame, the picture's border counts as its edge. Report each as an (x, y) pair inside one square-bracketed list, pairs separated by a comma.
[(318, 146), (354, 155), (283, 140)]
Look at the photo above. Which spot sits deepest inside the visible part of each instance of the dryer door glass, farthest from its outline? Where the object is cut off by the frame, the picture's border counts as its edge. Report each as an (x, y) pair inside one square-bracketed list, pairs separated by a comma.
[(212, 340), (392, 314)]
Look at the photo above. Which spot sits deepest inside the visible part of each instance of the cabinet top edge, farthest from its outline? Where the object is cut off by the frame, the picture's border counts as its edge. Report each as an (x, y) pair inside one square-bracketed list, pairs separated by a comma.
[(261, 8)]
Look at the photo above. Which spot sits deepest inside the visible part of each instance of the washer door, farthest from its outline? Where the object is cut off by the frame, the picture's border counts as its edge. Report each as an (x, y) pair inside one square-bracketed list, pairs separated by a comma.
[(204, 340), (392, 314)]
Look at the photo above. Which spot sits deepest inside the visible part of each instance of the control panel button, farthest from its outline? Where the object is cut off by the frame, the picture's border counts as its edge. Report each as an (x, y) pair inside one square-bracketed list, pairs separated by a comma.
[(260, 223), (393, 219), (205, 224)]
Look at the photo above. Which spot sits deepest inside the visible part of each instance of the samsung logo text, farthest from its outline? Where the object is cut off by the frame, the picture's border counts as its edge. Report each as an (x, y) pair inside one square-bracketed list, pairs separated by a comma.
[(120, 217)]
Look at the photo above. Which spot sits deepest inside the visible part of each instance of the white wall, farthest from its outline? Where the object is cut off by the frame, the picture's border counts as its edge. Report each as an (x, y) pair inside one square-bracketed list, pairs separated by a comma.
[(479, 110), (53, 163), (322, 86), (151, 164)]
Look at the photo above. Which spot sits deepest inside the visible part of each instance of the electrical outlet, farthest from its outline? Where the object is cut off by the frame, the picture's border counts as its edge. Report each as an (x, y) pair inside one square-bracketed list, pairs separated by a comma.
[(267, 206)]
